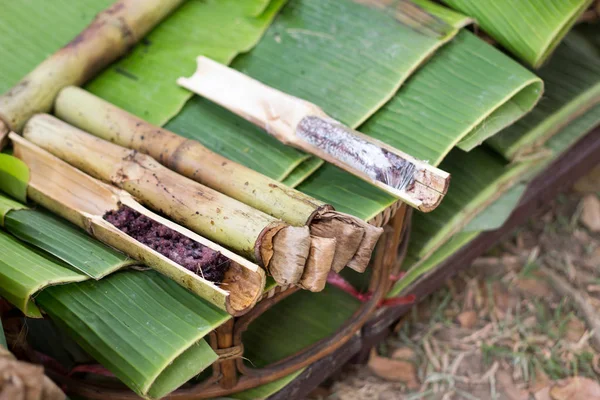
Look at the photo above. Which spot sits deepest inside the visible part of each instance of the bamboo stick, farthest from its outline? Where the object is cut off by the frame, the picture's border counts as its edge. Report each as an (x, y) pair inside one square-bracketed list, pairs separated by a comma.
[(303, 125), (98, 117), (282, 249), (108, 37), (84, 201)]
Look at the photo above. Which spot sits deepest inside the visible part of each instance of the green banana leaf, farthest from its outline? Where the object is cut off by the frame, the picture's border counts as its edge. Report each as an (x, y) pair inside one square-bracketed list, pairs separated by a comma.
[(327, 52), (143, 82), (416, 269), (7, 205), (14, 176), (494, 215), (529, 29), (295, 323), (2, 336), (141, 326), (65, 242), (572, 78), (303, 171), (574, 131), (346, 192), (264, 391), (30, 31), (466, 93), (478, 179), (24, 271)]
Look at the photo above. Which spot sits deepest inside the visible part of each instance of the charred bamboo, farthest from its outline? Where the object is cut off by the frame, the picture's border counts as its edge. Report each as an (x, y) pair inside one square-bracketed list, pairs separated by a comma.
[(355, 239), (108, 37), (91, 204), (282, 249), (303, 125)]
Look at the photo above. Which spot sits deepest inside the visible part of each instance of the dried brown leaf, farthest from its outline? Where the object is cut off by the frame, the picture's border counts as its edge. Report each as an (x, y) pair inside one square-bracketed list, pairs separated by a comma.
[(534, 286), (394, 370), (508, 387), (404, 353), (467, 319), (589, 183), (575, 329), (576, 388), (590, 216)]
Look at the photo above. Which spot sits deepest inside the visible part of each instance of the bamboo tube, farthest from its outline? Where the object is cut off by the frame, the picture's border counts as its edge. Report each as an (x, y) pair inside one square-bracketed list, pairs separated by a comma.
[(298, 123), (108, 37), (280, 248), (98, 117), (84, 201)]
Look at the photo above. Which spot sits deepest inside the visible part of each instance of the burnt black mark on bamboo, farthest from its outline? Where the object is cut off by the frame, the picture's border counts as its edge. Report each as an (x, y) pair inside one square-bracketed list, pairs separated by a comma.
[(340, 142), (195, 257)]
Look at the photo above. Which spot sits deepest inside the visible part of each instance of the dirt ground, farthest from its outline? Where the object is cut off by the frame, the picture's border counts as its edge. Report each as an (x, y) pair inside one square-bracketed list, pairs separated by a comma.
[(523, 322)]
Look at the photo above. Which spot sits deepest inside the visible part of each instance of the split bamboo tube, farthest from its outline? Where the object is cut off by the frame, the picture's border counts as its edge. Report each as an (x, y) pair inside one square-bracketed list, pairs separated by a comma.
[(282, 249), (355, 239), (84, 201), (108, 37), (301, 124)]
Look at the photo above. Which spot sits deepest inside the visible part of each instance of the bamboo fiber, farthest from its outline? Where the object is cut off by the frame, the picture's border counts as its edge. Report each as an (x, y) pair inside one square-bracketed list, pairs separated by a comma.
[(84, 200), (109, 36), (192, 159), (239, 227)]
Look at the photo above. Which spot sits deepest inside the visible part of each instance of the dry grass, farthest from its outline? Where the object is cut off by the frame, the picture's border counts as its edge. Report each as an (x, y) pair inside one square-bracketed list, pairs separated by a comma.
[(511, 327)]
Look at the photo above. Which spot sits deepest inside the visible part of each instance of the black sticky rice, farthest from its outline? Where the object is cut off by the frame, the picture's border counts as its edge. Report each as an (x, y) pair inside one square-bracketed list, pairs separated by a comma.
[(208, 263)]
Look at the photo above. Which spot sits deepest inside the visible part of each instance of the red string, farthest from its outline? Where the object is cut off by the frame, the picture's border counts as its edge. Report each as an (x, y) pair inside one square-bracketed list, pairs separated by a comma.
[(336, 280)]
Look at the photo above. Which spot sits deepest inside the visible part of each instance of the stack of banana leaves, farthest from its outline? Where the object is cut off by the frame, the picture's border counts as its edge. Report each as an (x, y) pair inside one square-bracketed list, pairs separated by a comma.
[(137, 217)]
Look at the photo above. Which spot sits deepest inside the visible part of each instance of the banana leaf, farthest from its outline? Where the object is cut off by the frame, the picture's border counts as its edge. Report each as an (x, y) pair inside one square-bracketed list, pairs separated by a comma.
[(478, 179), (295, 323), (529, 29), (346, 192), (416, 268), (66, 242), (347, 58), (2, 336), (570, 134), (496, 214), (14, 176), (7, 205), (141, 326), (466, 93), (143, 82), (266, 390), (24, 271), (572, 78), (303, 171), (32, 30), (54, 235)]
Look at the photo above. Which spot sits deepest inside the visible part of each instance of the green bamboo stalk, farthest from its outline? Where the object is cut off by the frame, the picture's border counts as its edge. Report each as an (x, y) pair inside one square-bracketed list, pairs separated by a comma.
[(84, 201), (110, 35), (190, 158)]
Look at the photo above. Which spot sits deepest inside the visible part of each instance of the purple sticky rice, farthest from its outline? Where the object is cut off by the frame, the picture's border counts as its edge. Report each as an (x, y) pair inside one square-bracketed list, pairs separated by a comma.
[(208, 263)]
